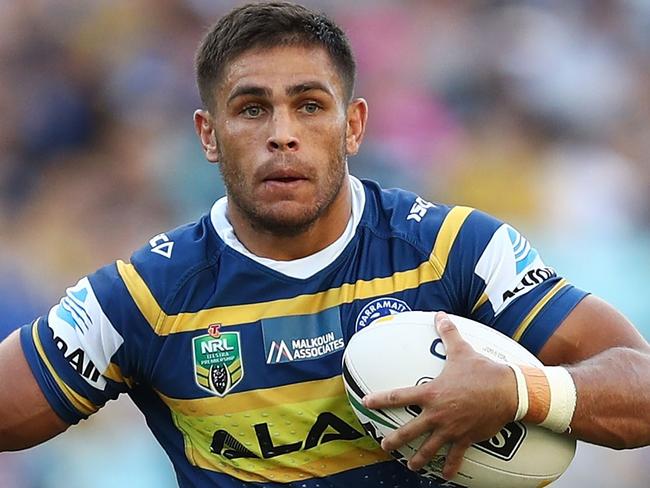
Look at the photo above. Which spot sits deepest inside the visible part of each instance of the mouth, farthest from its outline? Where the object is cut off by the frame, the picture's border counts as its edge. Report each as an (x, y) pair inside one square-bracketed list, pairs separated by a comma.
[(284, 178), (287, 179)]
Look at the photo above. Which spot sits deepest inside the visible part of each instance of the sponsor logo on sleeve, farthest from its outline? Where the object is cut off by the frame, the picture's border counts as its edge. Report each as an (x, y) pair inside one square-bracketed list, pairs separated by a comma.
[(83, 333), (510, 267), (302, 337), (419, 209), (524, 253), (162, 245), (531, 279), (377, 308), (218, 365)]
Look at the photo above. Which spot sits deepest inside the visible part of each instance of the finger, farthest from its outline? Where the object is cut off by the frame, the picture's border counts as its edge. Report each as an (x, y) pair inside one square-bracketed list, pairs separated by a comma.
[(407, 433), (399, 397), (427, 451), (451, 338), (454, 460)]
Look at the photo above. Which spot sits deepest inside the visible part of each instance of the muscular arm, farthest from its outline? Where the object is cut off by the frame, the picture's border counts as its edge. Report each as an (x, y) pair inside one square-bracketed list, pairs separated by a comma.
[(26, 419), (610, 365)]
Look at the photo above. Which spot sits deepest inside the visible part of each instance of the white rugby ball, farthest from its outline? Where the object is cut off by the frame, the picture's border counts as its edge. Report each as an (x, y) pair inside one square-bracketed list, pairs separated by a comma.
[(405, 350)]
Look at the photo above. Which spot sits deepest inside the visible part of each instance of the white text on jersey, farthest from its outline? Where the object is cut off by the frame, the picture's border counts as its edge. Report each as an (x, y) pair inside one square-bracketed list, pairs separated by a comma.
[(419, 209)]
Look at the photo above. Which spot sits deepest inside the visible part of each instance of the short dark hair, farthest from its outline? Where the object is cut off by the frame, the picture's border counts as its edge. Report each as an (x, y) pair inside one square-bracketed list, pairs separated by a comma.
[(268, 25)]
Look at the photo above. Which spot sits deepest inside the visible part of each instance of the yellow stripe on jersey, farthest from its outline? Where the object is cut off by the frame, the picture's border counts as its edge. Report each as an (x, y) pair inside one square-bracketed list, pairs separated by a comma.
[(287, 417), (301, 305), (484, 298), (141, 294), (79, 402), (535, 310), (114, 372), (428, 271), (272, 397), (448, 233)]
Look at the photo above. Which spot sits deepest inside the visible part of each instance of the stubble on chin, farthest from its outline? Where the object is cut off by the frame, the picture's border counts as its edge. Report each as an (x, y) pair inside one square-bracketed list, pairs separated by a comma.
[(282, 223), (283, 219)]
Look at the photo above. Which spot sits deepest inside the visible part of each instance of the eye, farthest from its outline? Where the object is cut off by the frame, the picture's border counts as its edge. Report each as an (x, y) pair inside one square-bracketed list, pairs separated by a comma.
[(252, 111), (310, 107)]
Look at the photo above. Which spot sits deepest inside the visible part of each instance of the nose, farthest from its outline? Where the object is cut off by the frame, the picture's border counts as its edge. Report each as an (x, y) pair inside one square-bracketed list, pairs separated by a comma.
[(283, 133)]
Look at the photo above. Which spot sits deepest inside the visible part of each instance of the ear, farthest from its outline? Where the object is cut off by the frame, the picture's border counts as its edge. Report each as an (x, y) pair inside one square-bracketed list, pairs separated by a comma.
[(204, 126), (356, 126)]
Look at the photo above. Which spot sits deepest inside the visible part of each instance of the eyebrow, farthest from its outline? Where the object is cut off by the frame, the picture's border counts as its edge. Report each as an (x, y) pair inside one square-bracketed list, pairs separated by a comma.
[(292, 91), (252, 90), (308, 86)]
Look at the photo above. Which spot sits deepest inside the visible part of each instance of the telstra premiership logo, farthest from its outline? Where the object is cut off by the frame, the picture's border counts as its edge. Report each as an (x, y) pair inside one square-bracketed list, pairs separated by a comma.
[(218, 366)]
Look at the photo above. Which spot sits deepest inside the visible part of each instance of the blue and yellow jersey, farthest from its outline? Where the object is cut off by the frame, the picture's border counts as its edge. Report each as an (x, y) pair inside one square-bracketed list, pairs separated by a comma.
[(236, 365)]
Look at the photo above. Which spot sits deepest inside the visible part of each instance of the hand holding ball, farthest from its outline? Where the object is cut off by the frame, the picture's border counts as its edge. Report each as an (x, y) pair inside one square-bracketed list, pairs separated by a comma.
[(405, 350)]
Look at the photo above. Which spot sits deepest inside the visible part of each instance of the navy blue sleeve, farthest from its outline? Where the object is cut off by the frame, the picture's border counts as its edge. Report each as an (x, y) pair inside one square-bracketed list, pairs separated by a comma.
[(498, 278), (81, 353)]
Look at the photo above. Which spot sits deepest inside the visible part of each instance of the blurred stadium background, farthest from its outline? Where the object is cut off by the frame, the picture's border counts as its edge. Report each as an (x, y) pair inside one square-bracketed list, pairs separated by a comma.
[(537, 111)]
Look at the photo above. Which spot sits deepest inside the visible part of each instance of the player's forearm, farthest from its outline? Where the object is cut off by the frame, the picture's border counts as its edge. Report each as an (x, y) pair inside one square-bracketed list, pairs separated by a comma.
[(20, 435), (613, 398), (26, 418)]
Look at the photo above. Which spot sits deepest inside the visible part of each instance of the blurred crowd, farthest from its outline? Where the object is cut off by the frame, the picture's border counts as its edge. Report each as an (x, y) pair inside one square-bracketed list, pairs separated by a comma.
[(537, 111)]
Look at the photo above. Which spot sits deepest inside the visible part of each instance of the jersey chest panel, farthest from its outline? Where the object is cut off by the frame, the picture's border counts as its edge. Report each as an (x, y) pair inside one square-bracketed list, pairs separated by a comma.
[(264, 401)]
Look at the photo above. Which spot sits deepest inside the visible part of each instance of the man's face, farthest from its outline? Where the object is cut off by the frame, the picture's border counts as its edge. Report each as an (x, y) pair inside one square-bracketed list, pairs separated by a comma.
[(280, 122)]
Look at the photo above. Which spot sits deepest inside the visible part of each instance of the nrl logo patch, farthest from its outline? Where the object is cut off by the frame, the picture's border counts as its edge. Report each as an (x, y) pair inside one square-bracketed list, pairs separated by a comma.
[(218, 364)]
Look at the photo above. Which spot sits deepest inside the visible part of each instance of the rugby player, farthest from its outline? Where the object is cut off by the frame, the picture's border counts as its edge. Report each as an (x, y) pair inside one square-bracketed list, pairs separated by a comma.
[(228, 332)]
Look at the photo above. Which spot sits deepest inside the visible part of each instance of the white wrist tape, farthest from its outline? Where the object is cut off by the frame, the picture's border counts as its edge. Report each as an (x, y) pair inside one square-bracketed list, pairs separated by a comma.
[(560, 396), (563, 399), (522, 392)]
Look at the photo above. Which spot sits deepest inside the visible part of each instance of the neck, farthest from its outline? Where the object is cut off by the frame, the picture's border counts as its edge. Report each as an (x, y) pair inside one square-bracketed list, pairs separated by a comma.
[(327, 228)]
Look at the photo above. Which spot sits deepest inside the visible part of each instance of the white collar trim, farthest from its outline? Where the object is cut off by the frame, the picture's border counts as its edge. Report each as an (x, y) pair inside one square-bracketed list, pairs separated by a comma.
[(298, 268)]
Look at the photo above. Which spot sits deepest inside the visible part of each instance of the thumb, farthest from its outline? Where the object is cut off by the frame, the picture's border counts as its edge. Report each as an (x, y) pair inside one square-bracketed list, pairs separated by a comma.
[(448, 332)]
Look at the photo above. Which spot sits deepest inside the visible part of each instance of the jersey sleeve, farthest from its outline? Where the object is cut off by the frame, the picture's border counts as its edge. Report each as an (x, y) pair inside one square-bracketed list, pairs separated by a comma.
[(82, 353), (496, 277)]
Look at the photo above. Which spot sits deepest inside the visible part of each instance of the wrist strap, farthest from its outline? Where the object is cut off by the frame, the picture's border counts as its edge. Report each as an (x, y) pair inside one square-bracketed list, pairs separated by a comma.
[(563, 399), (522, 392), (546, 396)]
